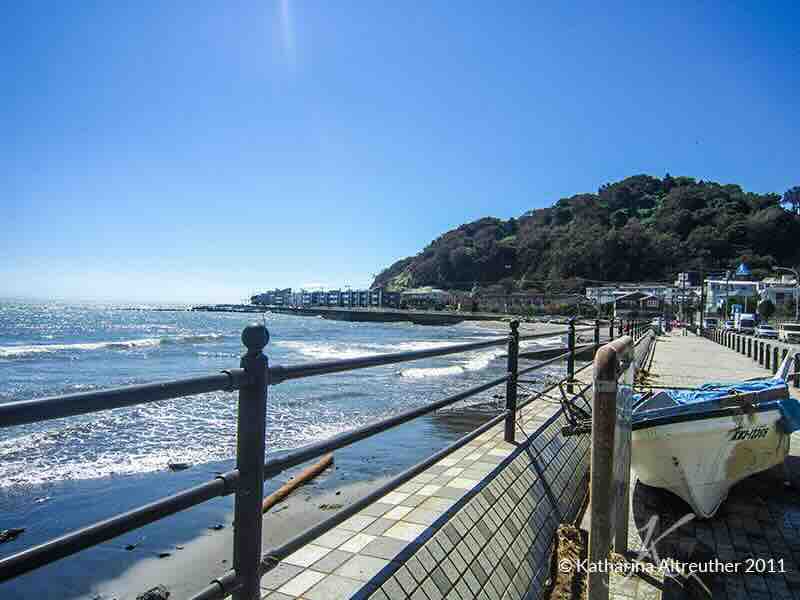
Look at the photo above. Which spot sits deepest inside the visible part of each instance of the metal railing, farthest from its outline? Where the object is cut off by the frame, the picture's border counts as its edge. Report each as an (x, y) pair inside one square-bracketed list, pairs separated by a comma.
[(252, 380), (766, 352)]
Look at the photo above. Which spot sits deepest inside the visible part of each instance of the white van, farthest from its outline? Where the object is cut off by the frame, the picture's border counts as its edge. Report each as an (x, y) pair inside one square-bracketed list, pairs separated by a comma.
[(745, 323), (789, 332)]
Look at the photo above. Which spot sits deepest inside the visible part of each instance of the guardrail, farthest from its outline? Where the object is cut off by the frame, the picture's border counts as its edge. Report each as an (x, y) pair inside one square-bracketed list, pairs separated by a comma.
[(252, 380), (769, 353)]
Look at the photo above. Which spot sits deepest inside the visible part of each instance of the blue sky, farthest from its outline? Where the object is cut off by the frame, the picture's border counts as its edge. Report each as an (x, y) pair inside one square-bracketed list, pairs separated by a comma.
[(203, 150)]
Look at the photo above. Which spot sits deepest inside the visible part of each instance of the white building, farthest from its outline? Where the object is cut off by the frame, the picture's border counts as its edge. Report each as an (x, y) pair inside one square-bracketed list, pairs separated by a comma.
[(781, 291), (609, 293), (719, 290)]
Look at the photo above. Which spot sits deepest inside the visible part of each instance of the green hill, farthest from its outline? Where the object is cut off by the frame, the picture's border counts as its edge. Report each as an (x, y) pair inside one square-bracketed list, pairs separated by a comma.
[(639, 229)]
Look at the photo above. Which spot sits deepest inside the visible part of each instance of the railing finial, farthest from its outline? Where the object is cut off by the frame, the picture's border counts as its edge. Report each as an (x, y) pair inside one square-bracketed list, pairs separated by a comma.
[(255, 337), (514, 325)]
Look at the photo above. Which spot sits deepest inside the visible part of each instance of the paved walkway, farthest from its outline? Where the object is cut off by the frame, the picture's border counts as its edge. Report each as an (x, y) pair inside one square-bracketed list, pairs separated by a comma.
[(410, 543), (761, 517)]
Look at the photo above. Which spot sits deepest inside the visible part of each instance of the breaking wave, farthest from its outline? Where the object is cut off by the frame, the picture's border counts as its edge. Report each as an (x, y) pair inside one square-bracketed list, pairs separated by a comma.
[(12, 352)]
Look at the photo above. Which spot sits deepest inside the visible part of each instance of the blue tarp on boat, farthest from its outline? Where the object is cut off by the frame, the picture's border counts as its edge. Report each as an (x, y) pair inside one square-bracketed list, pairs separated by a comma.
[(706, 398)]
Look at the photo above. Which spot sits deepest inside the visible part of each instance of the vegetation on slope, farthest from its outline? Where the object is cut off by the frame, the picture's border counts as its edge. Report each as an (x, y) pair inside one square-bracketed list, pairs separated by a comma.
[(639, 229)]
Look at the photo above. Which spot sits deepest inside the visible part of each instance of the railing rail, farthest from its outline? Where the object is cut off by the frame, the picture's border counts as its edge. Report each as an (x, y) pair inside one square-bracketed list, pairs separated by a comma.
[(252, 380)]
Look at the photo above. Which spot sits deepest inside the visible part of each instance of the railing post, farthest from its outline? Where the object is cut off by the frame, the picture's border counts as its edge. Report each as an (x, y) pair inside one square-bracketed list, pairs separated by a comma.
[(571, 355), (250, 445), (767, 356), (775, 355), (797, 370), (597, 334), (511, 383), (611, 329), (619, 327), (603, 493)]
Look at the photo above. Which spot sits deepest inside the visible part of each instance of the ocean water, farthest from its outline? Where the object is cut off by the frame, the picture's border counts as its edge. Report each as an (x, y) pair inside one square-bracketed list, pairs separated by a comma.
[(52, 473)]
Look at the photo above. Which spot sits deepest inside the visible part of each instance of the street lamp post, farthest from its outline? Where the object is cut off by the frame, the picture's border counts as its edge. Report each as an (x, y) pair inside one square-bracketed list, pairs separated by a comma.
[(796, 289)]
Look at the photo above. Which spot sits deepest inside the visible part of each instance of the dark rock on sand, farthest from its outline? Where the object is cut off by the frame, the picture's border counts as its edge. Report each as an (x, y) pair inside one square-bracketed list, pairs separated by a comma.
[(6, 535), (178, 466), (157, 593)]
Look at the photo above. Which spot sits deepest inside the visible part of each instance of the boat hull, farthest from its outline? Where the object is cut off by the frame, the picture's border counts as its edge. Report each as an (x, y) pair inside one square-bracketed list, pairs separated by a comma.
[(700, 459)]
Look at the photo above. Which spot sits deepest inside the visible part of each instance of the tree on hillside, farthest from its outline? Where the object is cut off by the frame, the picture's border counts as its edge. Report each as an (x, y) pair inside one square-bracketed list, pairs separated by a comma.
[(766, 309), (791, 198)]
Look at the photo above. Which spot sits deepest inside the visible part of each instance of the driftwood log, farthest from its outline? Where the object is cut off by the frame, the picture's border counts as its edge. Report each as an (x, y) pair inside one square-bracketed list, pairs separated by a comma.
[(305, 475)]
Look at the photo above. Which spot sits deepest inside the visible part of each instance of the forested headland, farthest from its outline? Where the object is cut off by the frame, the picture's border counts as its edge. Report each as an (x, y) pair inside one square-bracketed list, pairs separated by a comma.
[(639, 229)]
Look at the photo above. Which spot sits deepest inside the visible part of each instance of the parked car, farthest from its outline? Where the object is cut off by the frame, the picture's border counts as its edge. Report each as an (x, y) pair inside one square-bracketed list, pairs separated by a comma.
[(710, 323), (766, 332), (727, 325), (789, 332)]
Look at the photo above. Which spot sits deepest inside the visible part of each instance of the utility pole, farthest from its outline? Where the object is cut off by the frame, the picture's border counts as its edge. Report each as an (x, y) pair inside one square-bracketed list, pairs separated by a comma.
[(727, 293), (794, 272)]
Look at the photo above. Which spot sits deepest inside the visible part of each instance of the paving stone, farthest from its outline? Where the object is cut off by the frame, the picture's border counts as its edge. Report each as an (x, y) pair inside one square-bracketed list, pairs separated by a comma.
[(385, 547), (422, 516), (357, 542), (379, 527), (298, 585), (333, 538), (307, 555), (394, 498), (398, 512), (377, 509), (276, 577), (405, 531), (392, 589), (331, 561), (428, 490), (362, 567), (334, 587), (357, 522)]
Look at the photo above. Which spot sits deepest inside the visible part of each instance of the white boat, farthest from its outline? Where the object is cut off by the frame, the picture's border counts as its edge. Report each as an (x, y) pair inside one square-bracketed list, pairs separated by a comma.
[(700, 443)]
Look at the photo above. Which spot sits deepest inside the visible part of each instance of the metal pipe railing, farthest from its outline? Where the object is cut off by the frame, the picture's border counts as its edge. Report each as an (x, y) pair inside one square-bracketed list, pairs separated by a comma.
[(609, 510), (252, 380), (512, 367), (70, 405)]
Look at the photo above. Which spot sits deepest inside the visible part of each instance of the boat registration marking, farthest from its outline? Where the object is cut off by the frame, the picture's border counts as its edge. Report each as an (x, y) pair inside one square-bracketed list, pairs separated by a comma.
[(754, 433)]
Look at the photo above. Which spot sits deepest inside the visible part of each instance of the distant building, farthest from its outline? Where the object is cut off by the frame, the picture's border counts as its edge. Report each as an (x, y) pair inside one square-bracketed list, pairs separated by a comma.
[(688, 279), (276, 297), (638, 305), (608, 294), (719, 290), (780, 291), (426, 297)]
